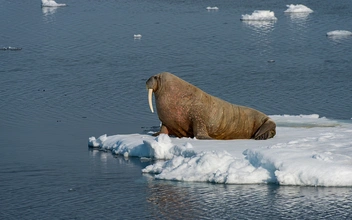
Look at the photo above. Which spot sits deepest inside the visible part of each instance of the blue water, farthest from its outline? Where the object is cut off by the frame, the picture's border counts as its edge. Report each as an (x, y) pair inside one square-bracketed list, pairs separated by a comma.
[(81, 73)]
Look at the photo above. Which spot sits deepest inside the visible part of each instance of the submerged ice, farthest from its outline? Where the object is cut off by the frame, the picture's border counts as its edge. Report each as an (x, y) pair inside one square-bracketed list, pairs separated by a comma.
[(308, 150)]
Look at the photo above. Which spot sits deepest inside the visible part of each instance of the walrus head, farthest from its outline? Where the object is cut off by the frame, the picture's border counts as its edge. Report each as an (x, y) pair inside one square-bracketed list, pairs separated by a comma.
[(152, 86)]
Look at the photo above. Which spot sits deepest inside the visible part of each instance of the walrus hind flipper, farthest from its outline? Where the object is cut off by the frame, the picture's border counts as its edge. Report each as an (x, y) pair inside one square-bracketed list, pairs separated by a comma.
[(163, 130), (201, 137), (266, 131)]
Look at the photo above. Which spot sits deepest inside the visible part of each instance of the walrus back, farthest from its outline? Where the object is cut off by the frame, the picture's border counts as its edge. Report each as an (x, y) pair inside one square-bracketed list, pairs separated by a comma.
[(230, 121), (223, 120)]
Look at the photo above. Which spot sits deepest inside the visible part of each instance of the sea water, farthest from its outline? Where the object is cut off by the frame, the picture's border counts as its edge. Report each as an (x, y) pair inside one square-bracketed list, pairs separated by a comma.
[(81, 72)]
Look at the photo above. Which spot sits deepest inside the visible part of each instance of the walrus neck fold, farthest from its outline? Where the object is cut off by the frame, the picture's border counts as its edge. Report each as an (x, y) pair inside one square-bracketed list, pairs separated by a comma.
[(150, 93)]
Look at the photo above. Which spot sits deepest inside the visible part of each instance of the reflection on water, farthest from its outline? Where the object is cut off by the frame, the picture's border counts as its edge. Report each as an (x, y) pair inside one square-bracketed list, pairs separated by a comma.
[(173, 202), (48, 14), (298, 17), (176, 200), (98, 154), (340, 38), (260, 26), (49, 10)]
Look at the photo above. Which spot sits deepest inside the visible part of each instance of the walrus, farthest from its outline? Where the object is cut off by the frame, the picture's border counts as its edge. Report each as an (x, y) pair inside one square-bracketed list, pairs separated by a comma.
[(186, 111)]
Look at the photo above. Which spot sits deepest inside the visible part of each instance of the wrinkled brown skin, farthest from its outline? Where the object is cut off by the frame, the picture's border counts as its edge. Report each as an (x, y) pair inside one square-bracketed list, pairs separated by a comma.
[(187, 111)]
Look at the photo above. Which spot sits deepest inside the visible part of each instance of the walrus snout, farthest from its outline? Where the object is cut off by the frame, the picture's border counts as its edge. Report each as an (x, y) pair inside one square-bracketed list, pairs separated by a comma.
[(152, 82)]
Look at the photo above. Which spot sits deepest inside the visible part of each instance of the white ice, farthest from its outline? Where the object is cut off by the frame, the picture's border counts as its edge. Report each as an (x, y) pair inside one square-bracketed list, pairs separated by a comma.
[(51, 3), (307, 150), (137, 36), (259, 15), (212, 8), (298, 9), (339, 33)]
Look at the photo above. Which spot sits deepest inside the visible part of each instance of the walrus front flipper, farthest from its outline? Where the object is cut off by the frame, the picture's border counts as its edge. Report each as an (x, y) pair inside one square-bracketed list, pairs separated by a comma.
[(200, 131), (266, 131)]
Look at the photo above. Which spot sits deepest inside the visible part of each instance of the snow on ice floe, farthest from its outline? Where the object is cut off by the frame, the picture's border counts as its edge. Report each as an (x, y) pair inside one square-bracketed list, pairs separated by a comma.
[(259, 15), (51, 3), (137, 145), (307, 150), (298, 9)]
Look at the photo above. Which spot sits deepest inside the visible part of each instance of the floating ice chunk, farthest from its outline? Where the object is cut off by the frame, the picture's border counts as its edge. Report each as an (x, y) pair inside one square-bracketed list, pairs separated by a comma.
[(11, 48), (51, 3), (212, 8), (298, 9), (259, 15), (339, 33), (137, 36)]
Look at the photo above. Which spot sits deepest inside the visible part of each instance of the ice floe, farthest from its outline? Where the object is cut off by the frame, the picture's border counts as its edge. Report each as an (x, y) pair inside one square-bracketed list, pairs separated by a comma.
[(307, 150)]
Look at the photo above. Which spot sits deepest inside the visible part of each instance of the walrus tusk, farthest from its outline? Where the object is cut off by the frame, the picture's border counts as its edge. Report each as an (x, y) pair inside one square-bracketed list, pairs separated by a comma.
[(150, 92)]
